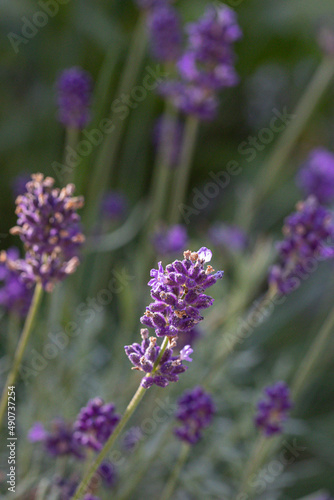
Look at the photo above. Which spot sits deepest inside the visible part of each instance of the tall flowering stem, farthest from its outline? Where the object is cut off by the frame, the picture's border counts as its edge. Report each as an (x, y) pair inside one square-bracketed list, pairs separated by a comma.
[(172, 481), (113, 438), (27, 330), (183, 170)]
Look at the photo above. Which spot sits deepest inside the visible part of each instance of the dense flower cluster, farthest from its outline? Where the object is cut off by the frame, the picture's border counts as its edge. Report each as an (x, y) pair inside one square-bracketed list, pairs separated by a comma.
[(114, 205), (273, 410), (95, 424), (316, 177), (169, 241), (178, 293), (309, 235), (49, 226), (59, 441), (146, 358), (15, 296), (207, 65), (228, 237), (74, 97), (195, 412), (165, 33)]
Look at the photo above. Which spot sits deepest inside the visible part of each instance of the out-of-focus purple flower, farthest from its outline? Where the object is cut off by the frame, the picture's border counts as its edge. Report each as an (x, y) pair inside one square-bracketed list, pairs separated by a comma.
[(143, 356), (74, 88), (114, 205), (165, 33), (131, 438), (107, 471), (316, 177), (178, 293), (309, 236), (59, 441), (19, 184), (195, 412), (95, 424), (326, 40), (15, 296), (49, 226), (209, 60), (191, 99), (228, 237), (169, 135), (169, 241), (66, 487), (273, 409)]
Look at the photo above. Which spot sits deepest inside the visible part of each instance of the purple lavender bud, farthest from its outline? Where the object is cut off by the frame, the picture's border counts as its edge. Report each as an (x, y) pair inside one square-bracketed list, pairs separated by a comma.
[(165, 33), (273, 409), (170, 135), (59, 441), (131, 438), (316, 177), (114, 205), (170, 241), (49, 226), (15, 296), (95, 424), (227, 237), (107, 471), (191, 99), (195, 412), (74, 97), (309, 236)]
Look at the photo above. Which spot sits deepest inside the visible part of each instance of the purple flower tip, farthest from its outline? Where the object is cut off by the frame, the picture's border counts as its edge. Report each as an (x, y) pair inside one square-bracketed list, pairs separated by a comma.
[(169, 241), (185, 353), (273, 409), (37, 433), (74, 97), (316, 176)]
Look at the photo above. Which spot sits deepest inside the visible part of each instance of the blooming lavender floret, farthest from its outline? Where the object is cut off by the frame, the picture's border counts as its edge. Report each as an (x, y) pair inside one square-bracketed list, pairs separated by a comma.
[(95, 424), (114, 205), (195, 412), (178, 293), (49, 226), (59, 441), (316, 177), (309, 235), (273, 409), (209, 60), (165, 33), (15, 296), (228, 237), (169, 241), (145, 355), (107, 472), (74, 97)]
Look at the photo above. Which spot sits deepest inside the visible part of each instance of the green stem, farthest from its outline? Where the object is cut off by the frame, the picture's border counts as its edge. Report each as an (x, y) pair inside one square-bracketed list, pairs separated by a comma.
[(27, 329), (313, 356), (254, 462), (184, 168), (113, 438), (172, 481), (267, 177), (13, 331), (71, 141), (105, 162)]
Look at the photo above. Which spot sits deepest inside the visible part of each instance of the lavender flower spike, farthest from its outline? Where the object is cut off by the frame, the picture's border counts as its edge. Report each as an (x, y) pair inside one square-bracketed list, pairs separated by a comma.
[(49, 226), (95, 424), (273, 410), (74, 97), (309, 236), (195, 412), (59, 441), (316, 177), (165, 33)]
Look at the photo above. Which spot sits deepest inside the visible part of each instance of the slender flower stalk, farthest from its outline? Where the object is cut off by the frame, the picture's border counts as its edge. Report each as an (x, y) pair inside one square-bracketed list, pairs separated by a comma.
[(27, 330), (267, 176), (182, 172), (105, 162), (113, 438), (172, 481), (255, 461)]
